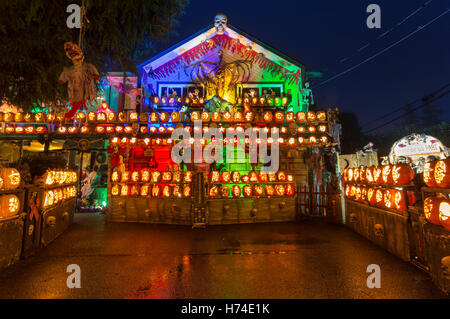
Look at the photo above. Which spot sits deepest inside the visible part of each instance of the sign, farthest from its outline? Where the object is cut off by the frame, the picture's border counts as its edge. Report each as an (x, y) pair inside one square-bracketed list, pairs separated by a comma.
[(417, 149)]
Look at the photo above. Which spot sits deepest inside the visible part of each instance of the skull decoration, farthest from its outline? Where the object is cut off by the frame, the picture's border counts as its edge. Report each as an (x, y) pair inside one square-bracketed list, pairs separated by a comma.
[(379, 230), (353, 218), (51, 221), (220, 23), (445, 265)]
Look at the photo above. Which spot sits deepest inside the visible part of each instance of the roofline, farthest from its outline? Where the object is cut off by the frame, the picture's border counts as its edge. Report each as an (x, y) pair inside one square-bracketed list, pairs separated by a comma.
[(204, 29)]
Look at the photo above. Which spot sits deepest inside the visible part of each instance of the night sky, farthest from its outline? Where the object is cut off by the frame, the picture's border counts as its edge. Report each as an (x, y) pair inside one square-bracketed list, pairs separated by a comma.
[(321, 33)]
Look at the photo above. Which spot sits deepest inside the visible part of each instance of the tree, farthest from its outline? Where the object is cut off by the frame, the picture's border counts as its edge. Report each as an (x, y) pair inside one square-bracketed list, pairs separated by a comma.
[(33, 34), (410, 115), (352, 137)]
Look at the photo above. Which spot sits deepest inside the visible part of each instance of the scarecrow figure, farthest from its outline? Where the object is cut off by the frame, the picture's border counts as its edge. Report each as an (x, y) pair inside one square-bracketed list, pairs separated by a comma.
[(80, 79)]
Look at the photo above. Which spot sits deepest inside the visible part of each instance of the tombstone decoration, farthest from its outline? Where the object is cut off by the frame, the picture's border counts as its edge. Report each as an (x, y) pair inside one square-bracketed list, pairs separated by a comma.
[(80, 79)]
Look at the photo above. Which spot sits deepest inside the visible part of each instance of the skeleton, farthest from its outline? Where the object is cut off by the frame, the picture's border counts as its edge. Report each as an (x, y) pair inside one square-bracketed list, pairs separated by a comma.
[(220, 23), (445, 265), (379, 230)]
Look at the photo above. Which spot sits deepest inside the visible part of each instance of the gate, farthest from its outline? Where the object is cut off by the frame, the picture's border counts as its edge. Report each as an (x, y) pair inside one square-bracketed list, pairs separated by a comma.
[(314, 200)]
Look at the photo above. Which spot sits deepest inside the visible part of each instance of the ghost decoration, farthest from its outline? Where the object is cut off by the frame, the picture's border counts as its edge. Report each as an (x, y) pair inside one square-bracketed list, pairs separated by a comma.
[(80, 79), (220, 23)]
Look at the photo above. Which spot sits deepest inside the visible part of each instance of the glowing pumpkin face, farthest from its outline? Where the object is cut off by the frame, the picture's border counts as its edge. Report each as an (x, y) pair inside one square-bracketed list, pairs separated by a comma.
[(145, 176), (176, 176), (167, 177), (262, 177), (156, 176), (11, 178), (371, 196), (388, 198), (225, 177), (213, 191), (252, 177), (379, 197), (399, 201), (358, 193), (156, 191), (236, 191), (281, 176), (270, 191), (125, 176), (135, 190), (428, 174), (387, 174), (369, 174), (124, 190), (444, 213), (144, 190), (188, 177), (301, 117), (290, 190), (402, 174), (347, 191), (166, 192), (311, 116), (235, 177), (187, 191), (280, 190), (247, 190), (9, 206), (258, 190), (362, 174), (356, 174), (377, 174), (135, 176), (431, 209), (363, 194), (442, 173), (225, 191)]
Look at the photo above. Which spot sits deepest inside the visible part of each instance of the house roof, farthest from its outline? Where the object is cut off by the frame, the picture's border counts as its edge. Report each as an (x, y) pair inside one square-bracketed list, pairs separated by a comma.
[(208, 30)]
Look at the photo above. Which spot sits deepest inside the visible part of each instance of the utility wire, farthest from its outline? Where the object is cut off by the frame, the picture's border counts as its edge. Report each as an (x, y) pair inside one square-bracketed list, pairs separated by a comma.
[(403, 106), (428, 101), (419, 28), (388, 31)]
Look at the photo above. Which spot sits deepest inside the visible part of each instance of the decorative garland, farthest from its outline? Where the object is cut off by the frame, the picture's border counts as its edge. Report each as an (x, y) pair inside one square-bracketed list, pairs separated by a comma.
[(233, 46)]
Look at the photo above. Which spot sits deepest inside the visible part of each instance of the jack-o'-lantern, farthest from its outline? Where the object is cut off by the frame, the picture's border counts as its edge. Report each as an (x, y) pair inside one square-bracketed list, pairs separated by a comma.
[(402, 174), (112, 117), (363, 194), (431, 209), (133, 116), (347, 191), (91, 117), (166, 191), (301, 140), (322, 128), (101, 117), (428, 174), (281, 176), (125, 177), (371, 196), (135, 190), (167, 177), (188, 176), (224, 191), (263, 178), (350, 175), (235, 177), (175, 117), (30, 130), (115, 176), (377, 174), (442, 173), (156, 191), (128, 129), (247, 190), (119, 129), (399, 201), (362, 174), (267, 116), (258, 190), (444, 213), (73, 130), (187, 191), (279, 116), (9, 205), (11, 178), (84, 130), (215, 117), (62, 130), (321, 116), (51, 117), (311, 129), (80, 117), (100, 129), (225, 177), (143, 117), (301, 117), (389, 198), (356, 174), (358, 193), (280, 190), (352, 191), (290, 116), (144, 190), (270, 191), (238, 117), (29, 117), (249, 116), (135, 176), (19, 129), (176, 176), (177, 191), (311, 116), (9, 129), (195, 116), (156, 176), (252, 177), (387, 174), (124, 190), (236, 191), (379, 197), (213, 191), (41, 130), (227, 117), (369, 175), (145, 175), (272, 177), (244, 179), (289, 189)]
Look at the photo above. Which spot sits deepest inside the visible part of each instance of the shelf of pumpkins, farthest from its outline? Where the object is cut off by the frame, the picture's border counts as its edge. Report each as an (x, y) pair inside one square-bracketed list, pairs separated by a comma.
[(10, 181), (436, 175), (383, 186), (304, 128), (59, 186)]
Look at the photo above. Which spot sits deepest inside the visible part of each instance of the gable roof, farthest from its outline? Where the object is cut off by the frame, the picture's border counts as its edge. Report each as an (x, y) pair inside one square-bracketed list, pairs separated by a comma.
[(200, 36)]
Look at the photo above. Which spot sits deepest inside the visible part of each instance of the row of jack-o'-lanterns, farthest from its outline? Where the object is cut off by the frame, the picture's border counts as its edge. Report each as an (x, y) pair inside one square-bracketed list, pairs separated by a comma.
[(57, 195), (257, 190), (252, 177), (9, 205), (9, 179), (398, 174), (154, 190), (60, 177), (382, 197), (147, 176), (437, 211), (437, 173)]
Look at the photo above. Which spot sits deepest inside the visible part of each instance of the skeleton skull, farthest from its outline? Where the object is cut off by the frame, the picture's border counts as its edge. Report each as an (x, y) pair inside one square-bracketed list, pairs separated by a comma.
[(220, 23), (379, 230), (353, 218), (51, 221), (445, 265)]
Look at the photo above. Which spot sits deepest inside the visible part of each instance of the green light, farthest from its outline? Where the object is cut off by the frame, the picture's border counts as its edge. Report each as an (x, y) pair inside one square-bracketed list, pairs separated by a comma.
[(104, 203)]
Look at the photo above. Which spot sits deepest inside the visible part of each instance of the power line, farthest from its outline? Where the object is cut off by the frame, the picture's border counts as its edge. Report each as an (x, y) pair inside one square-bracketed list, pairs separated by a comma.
[(410, 103), (419, 28), (429, 100), (388, 31)]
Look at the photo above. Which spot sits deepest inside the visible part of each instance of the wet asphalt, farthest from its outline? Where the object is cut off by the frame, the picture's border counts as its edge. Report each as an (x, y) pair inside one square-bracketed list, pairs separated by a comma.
[(307, 259)]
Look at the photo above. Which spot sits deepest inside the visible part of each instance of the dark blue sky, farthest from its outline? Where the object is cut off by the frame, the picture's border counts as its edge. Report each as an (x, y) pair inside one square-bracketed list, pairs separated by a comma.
[(321, 33)]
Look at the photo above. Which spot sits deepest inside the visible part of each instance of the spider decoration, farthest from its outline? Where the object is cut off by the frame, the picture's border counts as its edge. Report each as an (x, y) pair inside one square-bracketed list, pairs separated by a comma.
[(218, 77)]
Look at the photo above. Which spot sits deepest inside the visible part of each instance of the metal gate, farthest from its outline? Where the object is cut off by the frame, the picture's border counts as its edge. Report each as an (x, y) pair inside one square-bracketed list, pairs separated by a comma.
[(314, 200)]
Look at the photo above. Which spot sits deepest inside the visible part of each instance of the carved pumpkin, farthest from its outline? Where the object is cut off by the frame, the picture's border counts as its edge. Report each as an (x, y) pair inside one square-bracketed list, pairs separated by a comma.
[(156, 191), (444, 213), (399, 201), (358, 193), (387, 174), (431, 209), (347, 191), (9, 205), (301, 117), (428, 174), (213, 191), (125, 176), (377, 175), (280, 190), (362, 174), (156, 176), (442, 173), (379, 197), (402, 174), (270, 191), (235, 177), (236, 191), (290, 190), (247, 190), (389, 198), (11, 178), (188, 175), (363, 194), (135, 190), (369, 175), (135, 176), (225, 177), (371, 196), (115, 176), (115, 189), (124, 190), (224, 191), (145, 176), (356, 174), (144, 190)]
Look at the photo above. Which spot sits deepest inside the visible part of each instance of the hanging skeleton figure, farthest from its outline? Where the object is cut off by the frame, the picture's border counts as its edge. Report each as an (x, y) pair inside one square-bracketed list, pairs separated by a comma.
[(80, 79), (219, 79)]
